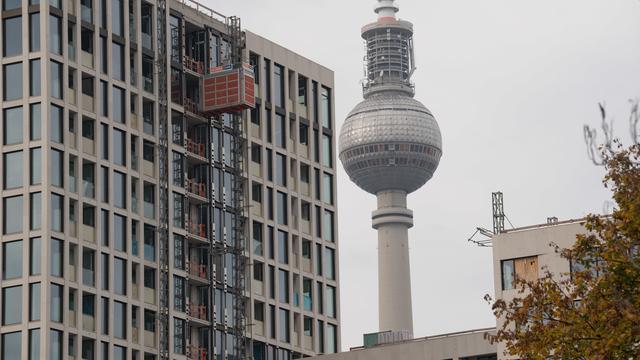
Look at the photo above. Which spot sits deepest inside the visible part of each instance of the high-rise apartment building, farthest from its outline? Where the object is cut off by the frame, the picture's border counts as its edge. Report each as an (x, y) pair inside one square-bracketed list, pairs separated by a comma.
[(143, 216)]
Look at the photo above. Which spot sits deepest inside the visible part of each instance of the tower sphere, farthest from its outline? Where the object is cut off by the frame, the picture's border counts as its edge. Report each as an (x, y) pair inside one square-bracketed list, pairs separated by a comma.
[(390, 141)]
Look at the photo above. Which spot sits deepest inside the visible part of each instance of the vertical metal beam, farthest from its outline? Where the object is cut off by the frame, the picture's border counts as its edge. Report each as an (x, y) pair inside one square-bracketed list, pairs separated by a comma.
[(163, 181)]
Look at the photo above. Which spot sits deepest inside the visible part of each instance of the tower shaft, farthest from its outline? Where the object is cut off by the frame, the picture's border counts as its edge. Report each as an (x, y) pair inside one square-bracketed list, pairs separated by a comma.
[(392, 219)]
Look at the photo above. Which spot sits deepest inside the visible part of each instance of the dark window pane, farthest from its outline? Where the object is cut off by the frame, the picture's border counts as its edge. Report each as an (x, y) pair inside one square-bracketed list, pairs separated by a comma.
[(12, 36), (12, 81)]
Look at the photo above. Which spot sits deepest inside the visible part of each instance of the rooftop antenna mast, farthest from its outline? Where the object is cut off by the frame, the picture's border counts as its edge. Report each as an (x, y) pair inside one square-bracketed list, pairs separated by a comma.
[(483, 237)]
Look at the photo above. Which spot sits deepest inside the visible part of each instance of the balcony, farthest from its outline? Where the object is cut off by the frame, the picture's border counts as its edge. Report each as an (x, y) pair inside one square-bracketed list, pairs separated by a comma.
[(196, 150), (191, 105), (197, 189), (193, 65), (195, 352), (197, 311), (197, 230), (196, 270)]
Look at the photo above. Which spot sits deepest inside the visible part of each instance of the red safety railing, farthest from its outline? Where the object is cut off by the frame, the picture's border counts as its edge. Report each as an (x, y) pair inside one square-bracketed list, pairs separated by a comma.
[(197, 229), (196, 188), (196, 148)]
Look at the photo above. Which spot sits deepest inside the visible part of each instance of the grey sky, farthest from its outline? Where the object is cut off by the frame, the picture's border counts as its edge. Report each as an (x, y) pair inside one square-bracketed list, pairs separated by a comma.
[(510, 82)]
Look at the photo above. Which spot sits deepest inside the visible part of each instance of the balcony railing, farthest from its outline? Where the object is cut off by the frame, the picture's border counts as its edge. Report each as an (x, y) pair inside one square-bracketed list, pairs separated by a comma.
[(196, 148), (191, 105), (193, 64), (197, 353), (197, 229), (198, 311), (197, 270), (196, 188)]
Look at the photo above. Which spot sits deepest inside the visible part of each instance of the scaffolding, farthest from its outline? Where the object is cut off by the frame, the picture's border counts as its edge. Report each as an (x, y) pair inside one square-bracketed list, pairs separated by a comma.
[(163, 181)]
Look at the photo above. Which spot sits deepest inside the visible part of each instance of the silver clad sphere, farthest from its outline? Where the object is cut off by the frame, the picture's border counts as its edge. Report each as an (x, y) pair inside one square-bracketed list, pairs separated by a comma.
[(390, 141)]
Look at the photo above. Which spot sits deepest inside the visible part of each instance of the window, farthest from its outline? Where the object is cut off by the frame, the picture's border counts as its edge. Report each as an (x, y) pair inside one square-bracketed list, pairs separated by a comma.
[(56, 170), (12, 260), (55, 124), (34, 77), (89, 267), (12, 345), (179, 340), (55, 345), (56, 261), (12, 305), (283, 247), (282, 213), (120, 232), (524, 269), (283, 286), (278, 85), (12, 220), (327, 226), (149, 243), (331, 301), (119, 147), (11, 4), (12, 170), (178, 252), (34, 302), (284, 325), (178, 211), (281, 133), (12, 80), (34, 32), (35, 211), (12, 41), (34, 344), (281, 170), (55, 302), (257, 239), (326, 151), (179, 293), (55, 34), (329, 263), (118, 105), (304, 134), (55, 88), (120, 320), (332, 339), (35, 256), (326, 107), (307, 294), (13, 126), (35, 165), (120, 190), (302, 90), (35, 128), (327, 188)]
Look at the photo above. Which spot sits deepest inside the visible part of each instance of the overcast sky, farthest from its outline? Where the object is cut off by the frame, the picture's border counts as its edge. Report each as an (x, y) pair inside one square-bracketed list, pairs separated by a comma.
[(511, 83)]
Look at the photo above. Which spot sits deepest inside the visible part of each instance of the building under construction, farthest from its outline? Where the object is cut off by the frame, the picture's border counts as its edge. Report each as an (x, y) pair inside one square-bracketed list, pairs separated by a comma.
[(169, 188)]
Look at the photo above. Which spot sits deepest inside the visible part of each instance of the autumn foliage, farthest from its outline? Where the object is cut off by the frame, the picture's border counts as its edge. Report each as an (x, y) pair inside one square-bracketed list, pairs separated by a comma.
[(594, 312)]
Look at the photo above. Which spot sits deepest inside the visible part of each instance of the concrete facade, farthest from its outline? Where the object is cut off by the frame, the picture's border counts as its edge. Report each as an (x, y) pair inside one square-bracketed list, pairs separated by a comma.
[(529, 250), (470, 345), (81, 190)]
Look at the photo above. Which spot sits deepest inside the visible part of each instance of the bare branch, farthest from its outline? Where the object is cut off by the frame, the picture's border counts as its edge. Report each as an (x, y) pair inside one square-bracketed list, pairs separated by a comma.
[(595, 150), (634, 121)]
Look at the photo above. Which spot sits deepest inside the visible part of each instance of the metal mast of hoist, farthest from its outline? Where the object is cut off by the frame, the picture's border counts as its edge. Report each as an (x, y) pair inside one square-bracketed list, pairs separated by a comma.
[(163, 181)]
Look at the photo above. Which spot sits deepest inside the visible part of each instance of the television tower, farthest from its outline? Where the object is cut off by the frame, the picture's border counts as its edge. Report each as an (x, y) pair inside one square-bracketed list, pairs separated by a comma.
[(390, 145)]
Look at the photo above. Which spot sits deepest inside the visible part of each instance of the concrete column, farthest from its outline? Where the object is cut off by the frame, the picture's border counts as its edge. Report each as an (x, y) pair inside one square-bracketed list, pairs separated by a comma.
[(392, 219)]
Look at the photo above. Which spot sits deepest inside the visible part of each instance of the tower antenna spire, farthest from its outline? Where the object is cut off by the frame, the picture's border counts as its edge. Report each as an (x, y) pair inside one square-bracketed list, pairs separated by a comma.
[(386, 9)]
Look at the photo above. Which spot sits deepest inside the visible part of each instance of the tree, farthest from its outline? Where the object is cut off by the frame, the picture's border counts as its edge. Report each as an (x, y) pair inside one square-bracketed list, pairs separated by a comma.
[(594, 312)]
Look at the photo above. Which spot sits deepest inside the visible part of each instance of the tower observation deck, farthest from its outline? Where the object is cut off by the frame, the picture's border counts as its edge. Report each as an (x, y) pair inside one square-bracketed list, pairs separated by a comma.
[(390, 145)]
